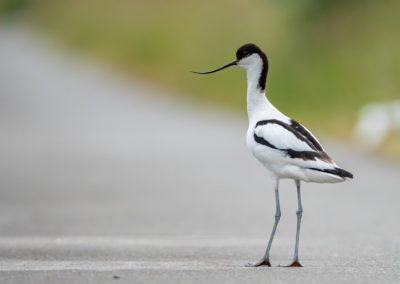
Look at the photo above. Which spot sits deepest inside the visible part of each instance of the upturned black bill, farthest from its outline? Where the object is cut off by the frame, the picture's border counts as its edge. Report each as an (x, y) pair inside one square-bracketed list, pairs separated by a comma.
[(223, 67)]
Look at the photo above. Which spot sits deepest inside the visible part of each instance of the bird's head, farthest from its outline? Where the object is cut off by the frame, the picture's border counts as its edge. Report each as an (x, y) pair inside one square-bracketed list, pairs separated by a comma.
[(248, 57)]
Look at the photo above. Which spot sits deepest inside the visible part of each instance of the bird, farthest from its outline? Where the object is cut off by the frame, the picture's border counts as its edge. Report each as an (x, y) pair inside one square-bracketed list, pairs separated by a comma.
[(287, 149)]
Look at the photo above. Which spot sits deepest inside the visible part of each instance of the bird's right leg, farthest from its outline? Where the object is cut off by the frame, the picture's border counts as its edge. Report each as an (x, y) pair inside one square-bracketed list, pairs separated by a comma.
[(265, 259)]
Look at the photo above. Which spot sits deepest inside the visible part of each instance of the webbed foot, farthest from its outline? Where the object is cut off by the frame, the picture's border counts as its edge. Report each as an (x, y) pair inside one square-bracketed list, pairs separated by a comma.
[(259, 263), (295, 263)]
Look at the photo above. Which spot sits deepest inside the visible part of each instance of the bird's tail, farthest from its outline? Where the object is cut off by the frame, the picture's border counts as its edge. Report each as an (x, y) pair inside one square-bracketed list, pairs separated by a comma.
[(336, 171), (342, 173)]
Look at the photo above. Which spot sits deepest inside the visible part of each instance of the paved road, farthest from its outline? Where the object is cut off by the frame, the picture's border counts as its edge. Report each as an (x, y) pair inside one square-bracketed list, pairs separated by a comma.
[(103, 180)]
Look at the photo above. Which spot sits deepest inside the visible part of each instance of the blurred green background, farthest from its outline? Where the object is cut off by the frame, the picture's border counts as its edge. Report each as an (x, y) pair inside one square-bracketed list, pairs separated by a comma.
[(327, 58)]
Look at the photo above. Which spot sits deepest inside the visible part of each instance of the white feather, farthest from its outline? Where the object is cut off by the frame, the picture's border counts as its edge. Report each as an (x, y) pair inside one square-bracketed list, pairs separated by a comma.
[(280, 137)]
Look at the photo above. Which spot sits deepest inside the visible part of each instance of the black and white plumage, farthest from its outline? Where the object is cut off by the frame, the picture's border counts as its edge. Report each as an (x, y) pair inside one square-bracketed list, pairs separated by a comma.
[(285, 147)]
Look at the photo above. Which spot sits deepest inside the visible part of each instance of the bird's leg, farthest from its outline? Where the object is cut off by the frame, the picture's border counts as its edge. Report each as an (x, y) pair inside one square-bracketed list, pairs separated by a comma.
[(299, 214), (265, 259)]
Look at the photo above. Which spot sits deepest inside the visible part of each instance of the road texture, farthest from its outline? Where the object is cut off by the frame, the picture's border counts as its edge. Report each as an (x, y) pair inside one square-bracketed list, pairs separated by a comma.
[(104, 180)]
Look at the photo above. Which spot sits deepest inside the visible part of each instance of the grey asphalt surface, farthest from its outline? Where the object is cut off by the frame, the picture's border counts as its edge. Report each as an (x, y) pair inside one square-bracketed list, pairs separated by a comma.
[(105, 180)]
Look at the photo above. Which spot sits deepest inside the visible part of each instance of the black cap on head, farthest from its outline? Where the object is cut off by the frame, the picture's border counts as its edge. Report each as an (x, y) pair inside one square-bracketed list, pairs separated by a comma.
[(249, 49)]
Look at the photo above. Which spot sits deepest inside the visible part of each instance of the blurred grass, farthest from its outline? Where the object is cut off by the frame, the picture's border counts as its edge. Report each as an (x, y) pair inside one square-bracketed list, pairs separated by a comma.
[(327, 58)]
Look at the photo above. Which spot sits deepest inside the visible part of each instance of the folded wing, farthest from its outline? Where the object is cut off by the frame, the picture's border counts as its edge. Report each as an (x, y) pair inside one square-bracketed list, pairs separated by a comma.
[(294, 144)]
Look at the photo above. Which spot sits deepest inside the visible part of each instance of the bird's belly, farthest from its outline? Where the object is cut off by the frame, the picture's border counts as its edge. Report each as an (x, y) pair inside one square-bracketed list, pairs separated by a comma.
[(269, 157), (275, 161)]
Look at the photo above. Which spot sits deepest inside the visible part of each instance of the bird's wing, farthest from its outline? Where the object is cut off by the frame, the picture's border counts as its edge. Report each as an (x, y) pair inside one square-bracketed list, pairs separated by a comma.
[(294, 144), (306, 134)]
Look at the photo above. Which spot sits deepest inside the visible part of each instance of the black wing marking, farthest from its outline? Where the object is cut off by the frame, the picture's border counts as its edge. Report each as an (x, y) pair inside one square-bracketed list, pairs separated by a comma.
[(307, 135), (318, 153), (335, 171), (290, 128)]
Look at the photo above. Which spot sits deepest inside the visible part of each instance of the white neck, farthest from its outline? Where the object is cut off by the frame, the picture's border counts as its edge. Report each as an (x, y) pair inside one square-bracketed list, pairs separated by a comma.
[(257, 102)]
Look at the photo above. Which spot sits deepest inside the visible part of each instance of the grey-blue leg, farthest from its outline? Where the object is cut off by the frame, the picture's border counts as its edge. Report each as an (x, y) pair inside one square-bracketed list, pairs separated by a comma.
[(265, 259), (299, 214)]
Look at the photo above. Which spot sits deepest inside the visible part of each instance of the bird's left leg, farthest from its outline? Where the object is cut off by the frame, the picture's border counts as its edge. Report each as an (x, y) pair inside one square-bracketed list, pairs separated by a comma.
[(299, 214), (265, 259)]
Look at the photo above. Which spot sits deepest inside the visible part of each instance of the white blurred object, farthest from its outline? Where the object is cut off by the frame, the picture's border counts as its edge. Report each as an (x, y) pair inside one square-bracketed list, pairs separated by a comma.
[(376, 121)]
